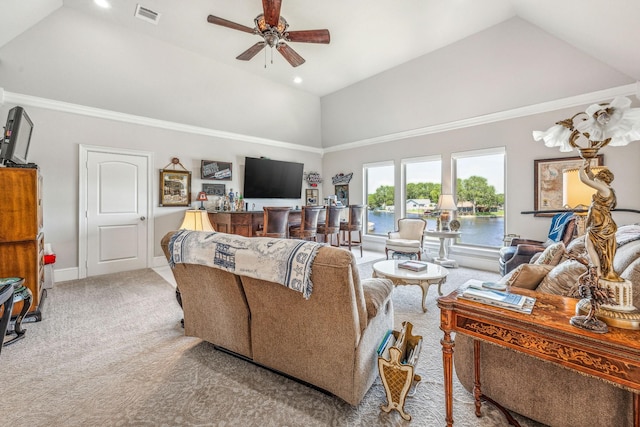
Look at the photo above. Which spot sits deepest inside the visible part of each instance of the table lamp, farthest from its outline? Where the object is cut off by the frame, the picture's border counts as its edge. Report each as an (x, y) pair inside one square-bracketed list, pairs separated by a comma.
[(202, 197), (197, 220), (446, 204), (608, 299)]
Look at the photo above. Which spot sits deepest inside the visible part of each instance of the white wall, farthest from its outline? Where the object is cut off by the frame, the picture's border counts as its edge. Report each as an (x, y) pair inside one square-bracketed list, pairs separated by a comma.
[(72, 57), (513, 64), (521, 150), (54, 147)]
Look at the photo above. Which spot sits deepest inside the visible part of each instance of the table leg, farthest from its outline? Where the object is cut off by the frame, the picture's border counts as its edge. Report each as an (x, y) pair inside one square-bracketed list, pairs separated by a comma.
[(447, 363), (425, 290), (443, 253), (636, 410), (477, 393)]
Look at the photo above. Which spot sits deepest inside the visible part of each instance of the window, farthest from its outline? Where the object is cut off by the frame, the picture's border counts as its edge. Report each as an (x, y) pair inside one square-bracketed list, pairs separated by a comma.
[(380, 191), (421, 186), (479, 187)]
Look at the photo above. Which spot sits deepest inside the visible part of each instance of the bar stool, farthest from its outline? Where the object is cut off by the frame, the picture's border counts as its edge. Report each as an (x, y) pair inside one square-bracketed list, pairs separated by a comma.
[(331, 225), (354, 223), (308, 228), (19, 292), (275, 222)]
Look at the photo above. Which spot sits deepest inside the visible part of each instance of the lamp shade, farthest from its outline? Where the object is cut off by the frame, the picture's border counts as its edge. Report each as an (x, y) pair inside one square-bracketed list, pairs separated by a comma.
[(197, 220), (446, 203), (202, 197), (574, 192)]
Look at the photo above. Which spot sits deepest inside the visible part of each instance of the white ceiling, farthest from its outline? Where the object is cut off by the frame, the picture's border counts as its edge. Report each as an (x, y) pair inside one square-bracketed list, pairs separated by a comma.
[(367, 36)]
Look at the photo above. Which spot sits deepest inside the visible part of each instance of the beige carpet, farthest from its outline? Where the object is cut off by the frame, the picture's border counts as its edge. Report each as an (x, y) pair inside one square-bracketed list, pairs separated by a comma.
[(110, 352)]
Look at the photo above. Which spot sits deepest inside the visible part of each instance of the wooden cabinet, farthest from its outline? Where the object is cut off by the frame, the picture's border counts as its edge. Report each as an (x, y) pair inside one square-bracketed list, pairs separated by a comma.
[(244, 223), (21, 238)]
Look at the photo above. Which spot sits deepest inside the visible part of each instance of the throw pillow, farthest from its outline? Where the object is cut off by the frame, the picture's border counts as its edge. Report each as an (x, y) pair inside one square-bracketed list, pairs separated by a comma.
[(576, 248), (528, 276), (562, 278), (376, 292), (552, 254)]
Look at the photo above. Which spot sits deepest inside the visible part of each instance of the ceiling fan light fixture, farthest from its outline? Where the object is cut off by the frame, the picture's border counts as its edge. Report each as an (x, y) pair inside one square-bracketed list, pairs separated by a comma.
[(262, 26)]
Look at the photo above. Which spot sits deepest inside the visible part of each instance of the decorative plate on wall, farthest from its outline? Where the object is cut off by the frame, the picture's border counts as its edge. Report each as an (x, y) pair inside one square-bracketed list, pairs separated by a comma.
[(454, 225)]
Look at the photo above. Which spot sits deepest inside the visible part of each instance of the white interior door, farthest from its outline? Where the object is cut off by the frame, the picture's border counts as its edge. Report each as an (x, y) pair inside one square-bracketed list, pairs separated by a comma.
[(117, 212)]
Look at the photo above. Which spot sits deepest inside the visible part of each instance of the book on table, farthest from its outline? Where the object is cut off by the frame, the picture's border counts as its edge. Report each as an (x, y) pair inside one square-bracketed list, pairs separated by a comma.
[(516, 302), (413, 265)]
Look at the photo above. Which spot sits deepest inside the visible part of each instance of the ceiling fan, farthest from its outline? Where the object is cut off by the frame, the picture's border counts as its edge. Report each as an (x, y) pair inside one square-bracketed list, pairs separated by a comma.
[(273, 28)]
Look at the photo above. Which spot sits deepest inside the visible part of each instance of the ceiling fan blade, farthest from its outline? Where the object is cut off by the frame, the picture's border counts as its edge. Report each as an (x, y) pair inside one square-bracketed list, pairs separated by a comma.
[(290, 55), (271, 11), (308, 36), (251, 52), (225, 23)]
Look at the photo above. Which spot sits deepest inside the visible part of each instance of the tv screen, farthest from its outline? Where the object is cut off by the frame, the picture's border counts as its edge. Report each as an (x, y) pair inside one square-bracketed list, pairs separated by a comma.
[(272, 179), (17, 136)]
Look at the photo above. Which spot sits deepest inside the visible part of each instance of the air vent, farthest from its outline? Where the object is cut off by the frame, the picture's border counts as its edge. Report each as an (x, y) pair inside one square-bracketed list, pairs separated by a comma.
[(147, 14)]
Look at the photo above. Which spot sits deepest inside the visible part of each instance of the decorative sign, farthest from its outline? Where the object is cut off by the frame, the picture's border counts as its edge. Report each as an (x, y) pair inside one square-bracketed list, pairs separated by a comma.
[(342, 178), (313, 179), (212, 169), (214, 189)]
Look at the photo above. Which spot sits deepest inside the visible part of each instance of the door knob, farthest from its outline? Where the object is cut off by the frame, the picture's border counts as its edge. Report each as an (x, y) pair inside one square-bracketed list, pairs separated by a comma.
[(142, 218)]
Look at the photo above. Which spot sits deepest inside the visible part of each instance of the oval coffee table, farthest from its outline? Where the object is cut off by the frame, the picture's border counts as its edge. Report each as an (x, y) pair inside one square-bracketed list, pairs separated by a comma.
[(432, 275)]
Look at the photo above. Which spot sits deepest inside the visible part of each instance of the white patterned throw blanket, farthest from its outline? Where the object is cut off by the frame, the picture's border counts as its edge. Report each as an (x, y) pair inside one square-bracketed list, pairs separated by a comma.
[(283, 261)]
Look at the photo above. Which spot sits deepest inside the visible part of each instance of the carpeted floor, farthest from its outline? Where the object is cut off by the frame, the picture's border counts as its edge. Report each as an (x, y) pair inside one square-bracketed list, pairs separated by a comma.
[(110, 352)]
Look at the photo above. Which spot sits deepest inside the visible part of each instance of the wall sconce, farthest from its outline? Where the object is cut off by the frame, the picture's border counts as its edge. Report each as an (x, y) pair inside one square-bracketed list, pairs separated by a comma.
[(196, 220)]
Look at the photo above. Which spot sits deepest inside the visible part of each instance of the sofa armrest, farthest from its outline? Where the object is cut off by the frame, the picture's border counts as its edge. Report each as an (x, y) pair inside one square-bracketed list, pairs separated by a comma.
[(394, 235), (528, 249), (517, 241), (376, 293)]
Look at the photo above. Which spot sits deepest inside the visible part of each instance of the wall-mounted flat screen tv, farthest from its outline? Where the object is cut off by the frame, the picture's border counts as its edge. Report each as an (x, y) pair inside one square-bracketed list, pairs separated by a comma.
[(272, 179), (17, 136)]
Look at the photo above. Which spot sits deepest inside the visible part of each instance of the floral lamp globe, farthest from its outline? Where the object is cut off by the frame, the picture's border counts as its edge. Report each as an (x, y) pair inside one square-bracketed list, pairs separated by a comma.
[(608, 298)]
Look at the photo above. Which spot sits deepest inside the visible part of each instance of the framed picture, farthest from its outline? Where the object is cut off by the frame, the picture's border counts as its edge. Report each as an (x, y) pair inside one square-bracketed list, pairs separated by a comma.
[(214, 189), (342, 193), (175, 187), (211, 169), (547, 180), (312, 197)]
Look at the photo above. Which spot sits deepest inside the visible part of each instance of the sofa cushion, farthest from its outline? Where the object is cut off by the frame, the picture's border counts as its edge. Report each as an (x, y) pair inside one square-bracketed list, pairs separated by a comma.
[(376, 293), (552, 254), (527, 276), (575, 249), (561, 279)]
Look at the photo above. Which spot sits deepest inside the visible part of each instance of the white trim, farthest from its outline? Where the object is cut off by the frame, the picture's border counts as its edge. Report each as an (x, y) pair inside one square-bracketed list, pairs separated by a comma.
[(67, 107), (84, 151), (573, 101)]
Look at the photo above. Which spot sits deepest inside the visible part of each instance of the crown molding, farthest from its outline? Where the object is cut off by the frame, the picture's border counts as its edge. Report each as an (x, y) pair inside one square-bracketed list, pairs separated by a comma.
[(544, 107), (558, 104), (50, 104)]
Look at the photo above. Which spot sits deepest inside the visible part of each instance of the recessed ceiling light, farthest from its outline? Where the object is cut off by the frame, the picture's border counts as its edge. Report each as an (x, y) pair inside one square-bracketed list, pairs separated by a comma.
[(297, 80), (103, 3)]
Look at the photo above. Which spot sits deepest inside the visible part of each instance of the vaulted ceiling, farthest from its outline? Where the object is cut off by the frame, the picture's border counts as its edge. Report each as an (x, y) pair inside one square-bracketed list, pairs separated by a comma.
[(367, 36)]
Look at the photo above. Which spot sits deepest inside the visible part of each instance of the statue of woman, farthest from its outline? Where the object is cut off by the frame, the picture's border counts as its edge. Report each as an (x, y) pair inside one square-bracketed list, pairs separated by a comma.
[(601, 229)]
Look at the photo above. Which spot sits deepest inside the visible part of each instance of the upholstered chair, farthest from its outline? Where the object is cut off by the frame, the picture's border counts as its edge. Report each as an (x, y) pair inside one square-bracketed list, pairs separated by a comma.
[(331, 225), (408, 238), (308, 227), (521, 251), (6, 301), (275, 222), (353, 224)]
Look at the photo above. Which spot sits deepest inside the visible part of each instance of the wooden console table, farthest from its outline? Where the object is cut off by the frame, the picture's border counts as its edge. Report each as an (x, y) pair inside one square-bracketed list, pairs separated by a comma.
[(545, 334)]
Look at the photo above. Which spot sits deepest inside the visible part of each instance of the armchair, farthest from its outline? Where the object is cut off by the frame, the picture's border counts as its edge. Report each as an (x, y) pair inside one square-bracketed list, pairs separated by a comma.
[(521, 251), (408, 238)]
